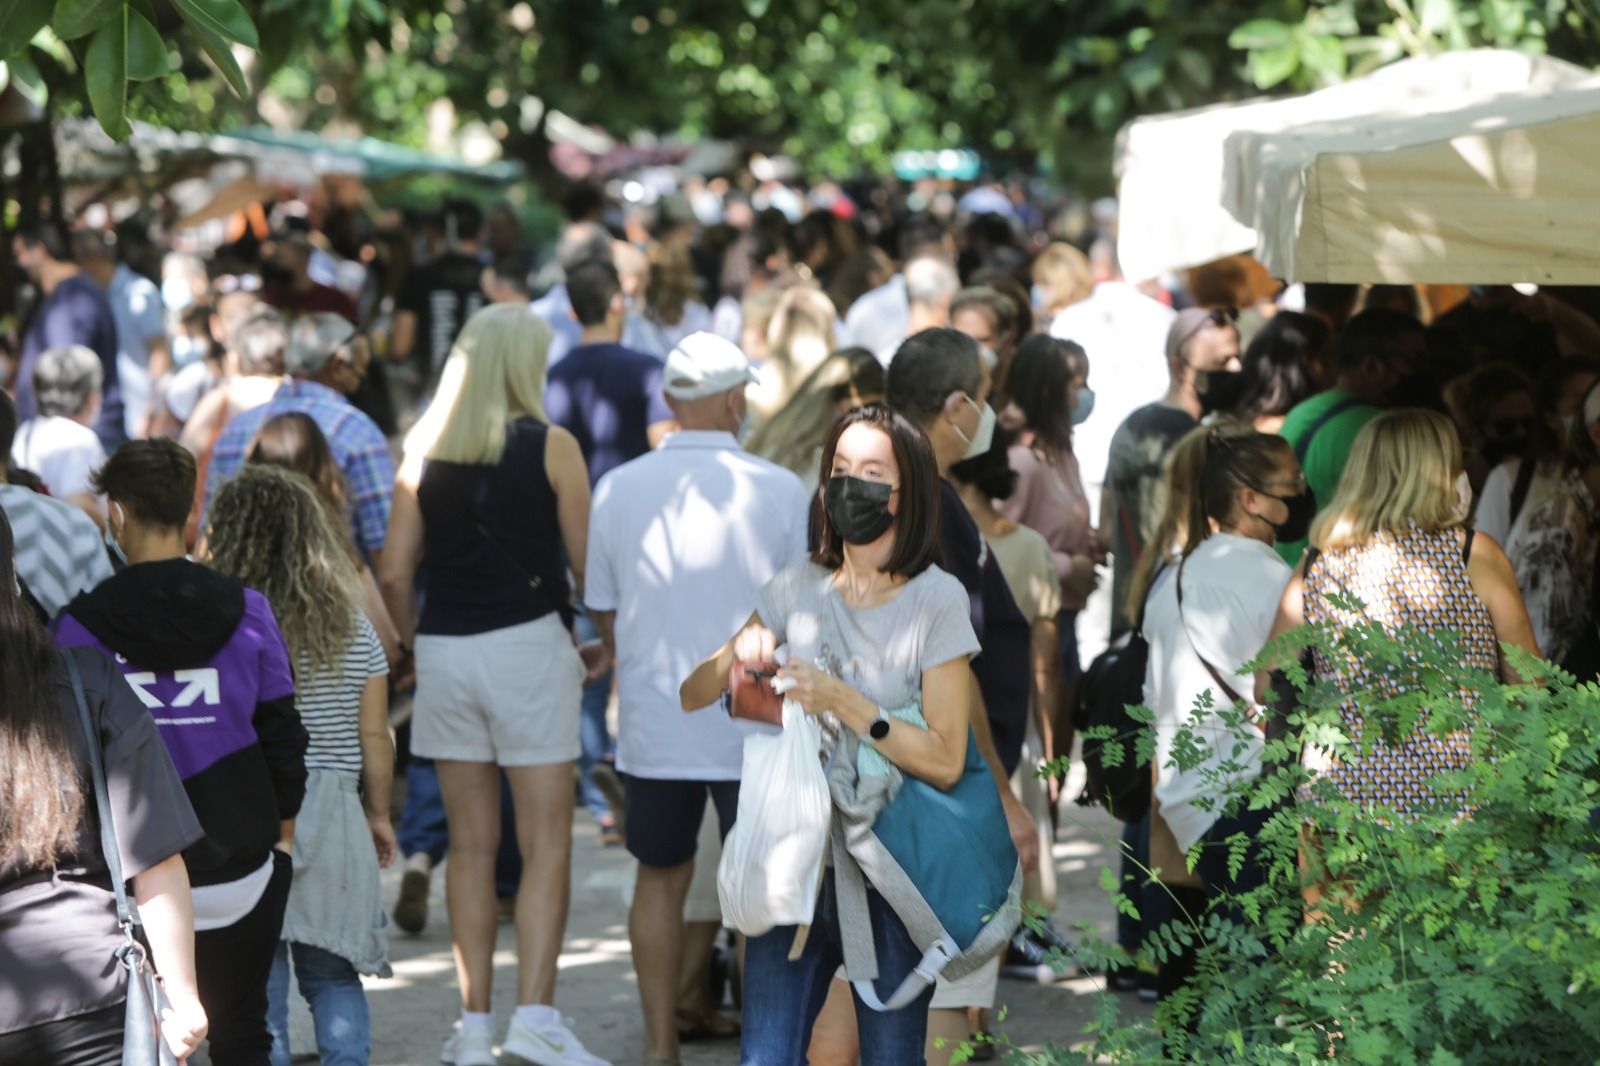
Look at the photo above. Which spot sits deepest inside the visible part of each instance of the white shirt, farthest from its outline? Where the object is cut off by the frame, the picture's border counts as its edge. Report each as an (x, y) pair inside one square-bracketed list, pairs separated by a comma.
[(680, 541), (1231, 588), (1124, 333), (879, 320), (62, 452)]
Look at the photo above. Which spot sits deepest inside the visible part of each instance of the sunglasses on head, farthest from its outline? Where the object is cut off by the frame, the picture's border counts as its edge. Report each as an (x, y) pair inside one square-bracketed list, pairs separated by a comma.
[(1224, 316)]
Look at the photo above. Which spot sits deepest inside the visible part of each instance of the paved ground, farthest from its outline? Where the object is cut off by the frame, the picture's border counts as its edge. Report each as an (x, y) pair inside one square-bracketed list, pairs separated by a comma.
[(413, 1010)]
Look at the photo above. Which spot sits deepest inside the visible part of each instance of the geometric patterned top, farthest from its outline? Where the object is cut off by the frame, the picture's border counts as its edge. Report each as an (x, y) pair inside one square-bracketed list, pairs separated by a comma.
[(1417, 580)]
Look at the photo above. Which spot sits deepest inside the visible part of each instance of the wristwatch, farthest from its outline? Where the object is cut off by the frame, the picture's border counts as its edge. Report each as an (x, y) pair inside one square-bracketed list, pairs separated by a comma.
[(880, 725)]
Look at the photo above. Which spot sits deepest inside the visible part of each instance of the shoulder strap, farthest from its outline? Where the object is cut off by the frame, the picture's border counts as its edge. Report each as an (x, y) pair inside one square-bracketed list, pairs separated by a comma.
[(1466, 549), (1519, 488), (127, 915), (1216, 675), (1302, 444)]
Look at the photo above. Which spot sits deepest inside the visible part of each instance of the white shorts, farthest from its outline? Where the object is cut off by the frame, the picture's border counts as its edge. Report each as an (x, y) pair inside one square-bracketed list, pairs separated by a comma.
[(509, 696), (977, 989)]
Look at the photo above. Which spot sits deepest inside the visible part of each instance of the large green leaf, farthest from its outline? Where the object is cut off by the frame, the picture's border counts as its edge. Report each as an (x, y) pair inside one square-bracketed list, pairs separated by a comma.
[(25, 78), (79, 18), (1324, 55), (220, 18), (1272, 66), (221, 53), (147, 52), (19, 21), (1258, 34), (105, 73)]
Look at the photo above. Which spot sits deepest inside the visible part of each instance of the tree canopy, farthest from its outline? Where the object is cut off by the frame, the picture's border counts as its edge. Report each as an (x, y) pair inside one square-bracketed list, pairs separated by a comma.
[(838, 84)]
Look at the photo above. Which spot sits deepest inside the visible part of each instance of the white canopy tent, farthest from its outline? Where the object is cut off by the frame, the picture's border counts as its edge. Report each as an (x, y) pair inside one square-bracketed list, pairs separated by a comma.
[(1376, 154)]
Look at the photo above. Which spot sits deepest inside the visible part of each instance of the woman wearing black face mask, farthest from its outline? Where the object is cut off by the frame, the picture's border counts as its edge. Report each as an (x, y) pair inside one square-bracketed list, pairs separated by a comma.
[(872, 626), (1205, 618)]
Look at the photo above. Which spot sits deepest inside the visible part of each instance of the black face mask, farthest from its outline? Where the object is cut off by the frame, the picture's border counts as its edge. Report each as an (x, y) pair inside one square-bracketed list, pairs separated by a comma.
[(1302, 509), (858, 510), (1223, 390)]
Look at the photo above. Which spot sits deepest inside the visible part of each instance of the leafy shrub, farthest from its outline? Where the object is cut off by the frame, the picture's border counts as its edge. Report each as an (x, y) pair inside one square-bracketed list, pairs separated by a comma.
[(1464, 932)]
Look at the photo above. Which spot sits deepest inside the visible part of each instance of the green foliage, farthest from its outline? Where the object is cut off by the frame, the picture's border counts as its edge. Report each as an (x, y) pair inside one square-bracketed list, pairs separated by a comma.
[(1463, 932)]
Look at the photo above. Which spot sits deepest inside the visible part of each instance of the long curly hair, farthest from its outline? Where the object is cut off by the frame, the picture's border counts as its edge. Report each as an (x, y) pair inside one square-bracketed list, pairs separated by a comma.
[(270, 530)]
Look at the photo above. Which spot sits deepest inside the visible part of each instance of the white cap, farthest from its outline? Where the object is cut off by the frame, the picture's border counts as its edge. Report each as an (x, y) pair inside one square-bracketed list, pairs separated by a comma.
[(704, 364)]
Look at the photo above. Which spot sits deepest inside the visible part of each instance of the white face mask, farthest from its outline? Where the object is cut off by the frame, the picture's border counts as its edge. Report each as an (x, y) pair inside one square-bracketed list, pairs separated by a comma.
[(1463, 496), (983, 436)]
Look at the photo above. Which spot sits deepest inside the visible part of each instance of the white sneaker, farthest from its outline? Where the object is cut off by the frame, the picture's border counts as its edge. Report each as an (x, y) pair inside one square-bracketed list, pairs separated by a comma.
[(468, 1049), (551, 1044)]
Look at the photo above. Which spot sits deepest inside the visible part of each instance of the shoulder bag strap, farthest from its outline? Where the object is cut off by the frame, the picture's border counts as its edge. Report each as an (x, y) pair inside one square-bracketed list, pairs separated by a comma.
[(1519, 488), (1302, 445), (1216, 675), (127, 915)]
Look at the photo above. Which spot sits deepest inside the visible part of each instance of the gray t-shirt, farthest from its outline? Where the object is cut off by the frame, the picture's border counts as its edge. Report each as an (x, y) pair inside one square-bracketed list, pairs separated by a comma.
[(881, 651)]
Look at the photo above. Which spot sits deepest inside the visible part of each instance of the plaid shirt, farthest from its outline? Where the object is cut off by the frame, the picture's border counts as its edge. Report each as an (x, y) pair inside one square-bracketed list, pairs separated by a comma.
[(357, 443)]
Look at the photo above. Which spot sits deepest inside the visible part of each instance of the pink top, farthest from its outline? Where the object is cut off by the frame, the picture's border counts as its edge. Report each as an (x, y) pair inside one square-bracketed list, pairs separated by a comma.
[(1050, 499)]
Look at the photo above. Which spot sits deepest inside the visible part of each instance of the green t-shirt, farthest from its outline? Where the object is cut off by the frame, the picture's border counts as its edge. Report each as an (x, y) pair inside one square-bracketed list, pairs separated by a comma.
[(1329, 449)]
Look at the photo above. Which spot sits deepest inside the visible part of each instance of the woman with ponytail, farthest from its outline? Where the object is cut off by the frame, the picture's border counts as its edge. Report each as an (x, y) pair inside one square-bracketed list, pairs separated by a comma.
[(1205, 617), (62, 998)]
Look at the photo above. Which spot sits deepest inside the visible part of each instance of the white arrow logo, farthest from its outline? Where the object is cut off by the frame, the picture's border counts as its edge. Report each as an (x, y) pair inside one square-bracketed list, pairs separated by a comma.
[(203, 685), (139, 681)]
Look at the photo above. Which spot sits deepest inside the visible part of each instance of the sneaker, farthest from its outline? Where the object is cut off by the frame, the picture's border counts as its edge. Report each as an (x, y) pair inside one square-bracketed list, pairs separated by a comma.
[(551, 1044), (1029, 960), (411, 909), (468, 1049)]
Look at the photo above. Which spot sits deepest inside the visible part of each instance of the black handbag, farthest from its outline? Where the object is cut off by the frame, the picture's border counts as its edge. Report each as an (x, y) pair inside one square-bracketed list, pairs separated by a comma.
[(142, 1041)]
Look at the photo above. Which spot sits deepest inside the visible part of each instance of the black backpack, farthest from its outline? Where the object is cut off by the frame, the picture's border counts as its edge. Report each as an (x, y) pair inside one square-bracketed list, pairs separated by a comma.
[(1113, 683)]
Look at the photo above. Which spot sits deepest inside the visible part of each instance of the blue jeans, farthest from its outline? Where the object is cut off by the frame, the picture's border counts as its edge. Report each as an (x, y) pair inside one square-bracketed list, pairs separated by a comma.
[(423, 827), (338, 1005), (593, 735), (782, 999), (1135, 857)]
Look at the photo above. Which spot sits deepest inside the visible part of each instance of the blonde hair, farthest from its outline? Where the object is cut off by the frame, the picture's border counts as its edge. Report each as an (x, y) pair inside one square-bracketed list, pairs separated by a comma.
[(794, 437), (271, 530), (495, 374), (1065, 273), (1401, 474), (1180, 482), (800, 334)]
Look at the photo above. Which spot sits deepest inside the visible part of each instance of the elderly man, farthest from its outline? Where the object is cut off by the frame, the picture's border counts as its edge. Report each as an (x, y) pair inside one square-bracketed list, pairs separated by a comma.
[(326, 360), (680, 540), (59, 443)]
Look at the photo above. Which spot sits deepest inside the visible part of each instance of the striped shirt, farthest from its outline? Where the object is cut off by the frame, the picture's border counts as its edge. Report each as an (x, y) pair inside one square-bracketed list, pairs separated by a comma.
[(58, 548), (329, 702)]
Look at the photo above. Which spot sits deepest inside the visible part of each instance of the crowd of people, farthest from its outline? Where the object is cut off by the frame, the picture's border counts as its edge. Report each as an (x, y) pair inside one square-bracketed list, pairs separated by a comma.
[(922, 466)]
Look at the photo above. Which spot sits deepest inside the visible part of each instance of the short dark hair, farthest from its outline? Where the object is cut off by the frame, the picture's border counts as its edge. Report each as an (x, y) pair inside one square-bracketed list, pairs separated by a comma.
[(1037, 383), (591, 287), (1376, 332), (582, 200), (916, 528), (927, 368), (920, 232), (51, 236), (1331, 298), (1277, 365), (990, 473), (466, 218), (154, 479), (8, 424), (511, 272)]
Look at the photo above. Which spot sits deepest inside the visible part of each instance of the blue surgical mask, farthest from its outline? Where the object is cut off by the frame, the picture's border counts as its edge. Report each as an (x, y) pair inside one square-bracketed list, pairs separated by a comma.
[(1084, 407), (187, 349), (176, 294), (1038, 295)]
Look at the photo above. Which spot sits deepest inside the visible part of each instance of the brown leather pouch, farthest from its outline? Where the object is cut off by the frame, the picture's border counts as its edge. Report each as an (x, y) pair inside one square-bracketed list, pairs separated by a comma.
[(750, 694)]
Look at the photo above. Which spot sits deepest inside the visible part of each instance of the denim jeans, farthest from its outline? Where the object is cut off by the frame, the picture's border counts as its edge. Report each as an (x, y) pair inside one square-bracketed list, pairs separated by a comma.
[(593, 735), (338, 1005), (1135, 857), (423, 827), (782, 999)]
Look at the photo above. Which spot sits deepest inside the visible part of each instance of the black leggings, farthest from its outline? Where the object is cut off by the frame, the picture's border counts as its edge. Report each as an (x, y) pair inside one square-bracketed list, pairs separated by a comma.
[(231, 967), (93, 1039)]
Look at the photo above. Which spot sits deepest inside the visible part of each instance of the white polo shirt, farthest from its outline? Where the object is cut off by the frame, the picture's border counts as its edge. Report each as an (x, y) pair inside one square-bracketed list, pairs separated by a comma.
[(680, 541)]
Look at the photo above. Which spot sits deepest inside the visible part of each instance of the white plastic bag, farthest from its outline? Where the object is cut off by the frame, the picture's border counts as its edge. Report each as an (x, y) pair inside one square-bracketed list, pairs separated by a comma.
[(771, 868)]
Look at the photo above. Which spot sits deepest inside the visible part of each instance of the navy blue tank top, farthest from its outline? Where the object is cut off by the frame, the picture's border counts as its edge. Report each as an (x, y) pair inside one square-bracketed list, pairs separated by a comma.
[(487, 530)]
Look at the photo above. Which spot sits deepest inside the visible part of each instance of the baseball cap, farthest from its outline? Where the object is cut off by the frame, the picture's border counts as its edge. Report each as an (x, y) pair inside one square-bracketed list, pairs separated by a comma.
[(704, 364)]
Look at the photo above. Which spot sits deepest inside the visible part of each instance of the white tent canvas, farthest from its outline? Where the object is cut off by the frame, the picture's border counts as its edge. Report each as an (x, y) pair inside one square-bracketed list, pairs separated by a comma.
[(1175, 169)]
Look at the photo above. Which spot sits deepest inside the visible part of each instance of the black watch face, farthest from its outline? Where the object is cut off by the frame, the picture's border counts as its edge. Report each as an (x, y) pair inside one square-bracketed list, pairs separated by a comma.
[(879, 729)]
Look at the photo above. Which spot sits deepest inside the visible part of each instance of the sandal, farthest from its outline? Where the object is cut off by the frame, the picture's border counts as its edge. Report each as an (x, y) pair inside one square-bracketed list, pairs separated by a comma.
[(711, 1025)]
